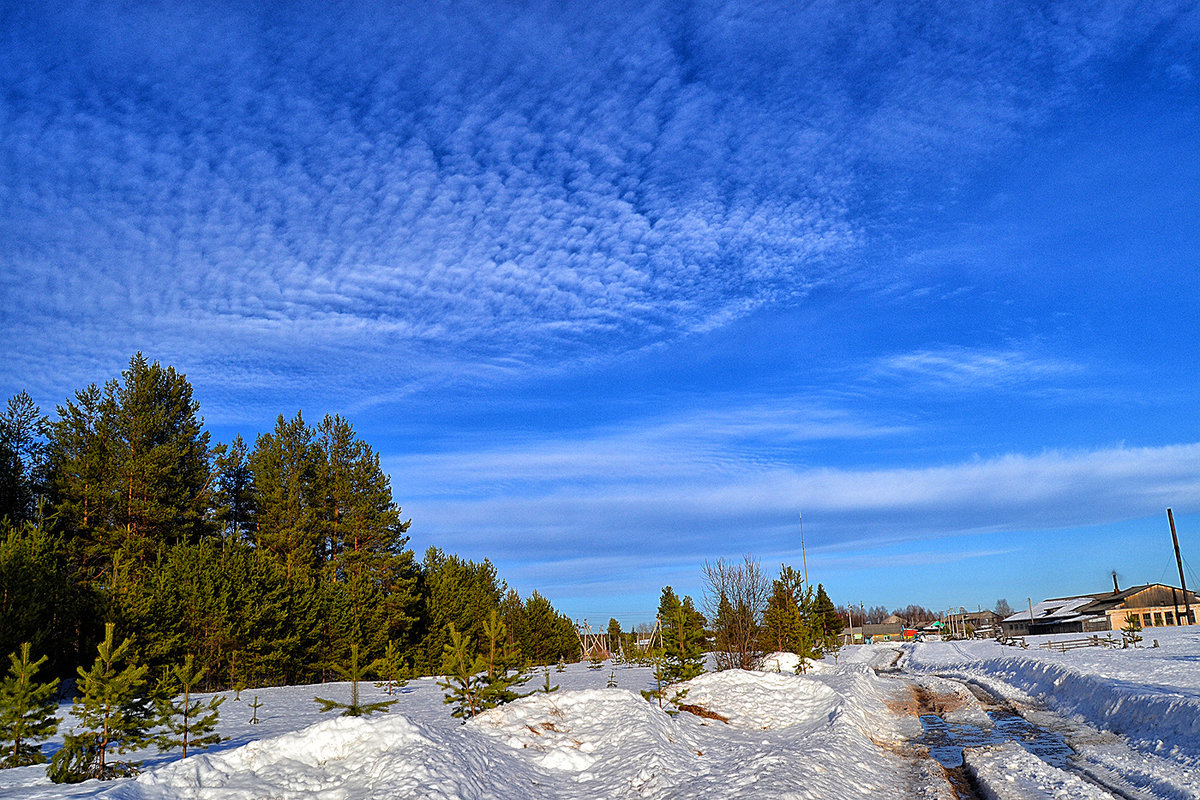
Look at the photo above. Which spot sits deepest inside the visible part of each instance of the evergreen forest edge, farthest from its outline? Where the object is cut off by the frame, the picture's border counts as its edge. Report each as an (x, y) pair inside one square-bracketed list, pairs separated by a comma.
[(229, 567)]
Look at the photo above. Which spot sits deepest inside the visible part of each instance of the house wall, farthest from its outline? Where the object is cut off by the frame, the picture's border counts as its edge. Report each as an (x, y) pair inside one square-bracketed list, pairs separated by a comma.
[(1150, 616)]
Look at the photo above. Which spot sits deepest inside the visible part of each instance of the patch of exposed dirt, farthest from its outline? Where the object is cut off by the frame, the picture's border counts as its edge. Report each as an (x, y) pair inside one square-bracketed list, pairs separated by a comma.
[(701, 711), (922, 700)]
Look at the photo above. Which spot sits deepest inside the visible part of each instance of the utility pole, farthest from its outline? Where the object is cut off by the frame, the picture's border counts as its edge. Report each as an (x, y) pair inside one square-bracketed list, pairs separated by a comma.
[(803, 554), (1179, 563)]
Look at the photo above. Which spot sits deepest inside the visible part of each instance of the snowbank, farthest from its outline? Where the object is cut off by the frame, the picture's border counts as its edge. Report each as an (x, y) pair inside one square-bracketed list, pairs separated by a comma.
[(812, 737), (764, 700), (345, 757)]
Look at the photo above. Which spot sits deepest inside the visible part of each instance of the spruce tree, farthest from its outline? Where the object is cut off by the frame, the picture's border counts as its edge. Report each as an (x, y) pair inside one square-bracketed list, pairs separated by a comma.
[(114, 714), (27, 711), (256, 706), (188, 723), (354, 673)]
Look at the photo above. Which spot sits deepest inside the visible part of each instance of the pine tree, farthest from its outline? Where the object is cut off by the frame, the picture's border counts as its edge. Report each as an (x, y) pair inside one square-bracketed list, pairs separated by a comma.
[(830, 623), (615, 650), (503, 665), (463, 679), (355, 673), (1131, 632), (113, 712), (160, 455), (546, 687), (287, 495), (188, 723), (392, 669), (22, 451), (256, 706), (612, 680), (683, 637), (233, 498), (27, 711)]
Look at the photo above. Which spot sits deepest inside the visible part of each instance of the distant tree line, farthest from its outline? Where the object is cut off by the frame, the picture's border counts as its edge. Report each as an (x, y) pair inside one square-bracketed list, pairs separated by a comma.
[(911, 614), (263, 562)]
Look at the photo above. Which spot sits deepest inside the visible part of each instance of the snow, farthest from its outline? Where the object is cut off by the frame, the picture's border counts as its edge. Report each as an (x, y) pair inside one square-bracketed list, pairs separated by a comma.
[(841, 730)]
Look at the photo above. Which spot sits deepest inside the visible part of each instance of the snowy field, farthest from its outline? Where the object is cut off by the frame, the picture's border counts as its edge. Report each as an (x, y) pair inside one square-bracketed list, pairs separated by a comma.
[(1129, 721)]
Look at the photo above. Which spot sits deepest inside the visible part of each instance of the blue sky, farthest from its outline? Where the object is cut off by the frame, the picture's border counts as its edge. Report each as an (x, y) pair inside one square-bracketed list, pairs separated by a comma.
[(615, 291)]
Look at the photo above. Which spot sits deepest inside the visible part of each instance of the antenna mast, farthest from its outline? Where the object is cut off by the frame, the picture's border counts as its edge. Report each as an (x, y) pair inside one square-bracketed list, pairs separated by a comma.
[(803, 554)]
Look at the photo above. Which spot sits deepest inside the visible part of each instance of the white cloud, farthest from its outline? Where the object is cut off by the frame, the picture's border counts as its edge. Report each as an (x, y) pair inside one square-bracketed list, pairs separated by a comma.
[(964, 368)]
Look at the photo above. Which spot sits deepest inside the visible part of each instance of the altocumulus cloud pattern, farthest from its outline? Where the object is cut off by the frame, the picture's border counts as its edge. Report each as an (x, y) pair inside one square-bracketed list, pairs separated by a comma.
[(455, 187)]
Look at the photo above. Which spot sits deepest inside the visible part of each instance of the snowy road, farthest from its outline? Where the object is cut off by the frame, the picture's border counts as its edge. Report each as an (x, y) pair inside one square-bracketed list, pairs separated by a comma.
[(1075, 725)]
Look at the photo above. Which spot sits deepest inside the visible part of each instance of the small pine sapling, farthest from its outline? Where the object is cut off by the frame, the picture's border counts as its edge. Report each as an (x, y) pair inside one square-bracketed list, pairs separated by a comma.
[(27, 712), (235, 677), (256, 706), (463, 682), (594, 659), (612, 680), (188, 723), (354, 674), (504, 670), (392, 669), (1131, 633), (561, 666), (547, 688), (113, 712)]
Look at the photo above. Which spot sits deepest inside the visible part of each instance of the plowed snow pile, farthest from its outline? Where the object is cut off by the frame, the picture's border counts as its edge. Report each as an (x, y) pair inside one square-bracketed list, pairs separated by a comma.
[(788, 736)]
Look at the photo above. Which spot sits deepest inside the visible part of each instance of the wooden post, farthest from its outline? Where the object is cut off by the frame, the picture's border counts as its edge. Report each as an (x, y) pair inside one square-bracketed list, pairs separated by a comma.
[(1179, 563)]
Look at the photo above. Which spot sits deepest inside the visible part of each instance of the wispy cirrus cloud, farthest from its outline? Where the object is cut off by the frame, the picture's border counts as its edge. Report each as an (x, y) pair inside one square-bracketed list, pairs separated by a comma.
[(466, 189), (688, 497), (965, 368)]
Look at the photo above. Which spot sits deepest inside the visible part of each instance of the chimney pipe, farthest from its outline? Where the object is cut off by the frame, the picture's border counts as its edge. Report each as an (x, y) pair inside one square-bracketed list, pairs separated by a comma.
[(1115, 587)]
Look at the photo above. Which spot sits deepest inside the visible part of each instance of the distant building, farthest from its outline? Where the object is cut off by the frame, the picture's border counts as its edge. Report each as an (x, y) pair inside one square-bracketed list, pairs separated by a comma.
[(878, 632), (1156, 604)]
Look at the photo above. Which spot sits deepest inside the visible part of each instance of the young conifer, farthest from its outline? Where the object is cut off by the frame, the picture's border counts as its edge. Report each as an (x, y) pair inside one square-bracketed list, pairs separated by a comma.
[(1131, 632), (27, 712), (464, 676), (504, 670), (354, 674), (594, 659), (188, 723), (114, 714), (256, 706), (392, 669)]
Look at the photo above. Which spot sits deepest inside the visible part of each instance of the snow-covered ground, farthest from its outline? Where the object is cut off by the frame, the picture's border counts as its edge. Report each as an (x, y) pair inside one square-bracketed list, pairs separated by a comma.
[(1132, 719)]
